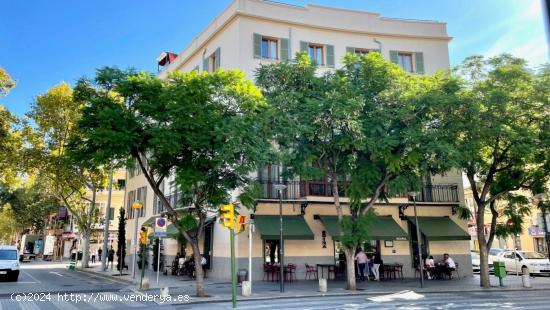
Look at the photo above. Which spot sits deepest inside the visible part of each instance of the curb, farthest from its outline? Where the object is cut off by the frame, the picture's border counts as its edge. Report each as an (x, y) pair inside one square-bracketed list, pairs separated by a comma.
[(357, 293)]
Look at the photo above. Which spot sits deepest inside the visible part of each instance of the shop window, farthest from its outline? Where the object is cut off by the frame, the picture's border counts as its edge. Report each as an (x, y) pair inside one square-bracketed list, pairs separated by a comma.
[(271, 251)]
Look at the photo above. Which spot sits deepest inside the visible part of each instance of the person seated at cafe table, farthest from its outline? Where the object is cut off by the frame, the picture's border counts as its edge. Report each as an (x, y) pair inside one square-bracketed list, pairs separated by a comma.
[(429, 264), (450, 265)]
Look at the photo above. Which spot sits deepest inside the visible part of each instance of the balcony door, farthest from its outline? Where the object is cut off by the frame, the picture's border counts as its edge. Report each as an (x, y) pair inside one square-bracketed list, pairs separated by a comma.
[(269, 176)]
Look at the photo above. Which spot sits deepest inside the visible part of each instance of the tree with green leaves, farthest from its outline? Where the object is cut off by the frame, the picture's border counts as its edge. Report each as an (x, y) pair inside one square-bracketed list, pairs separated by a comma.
[(30, 205), (75, 183), (205, 129), (10, 136), (499, 125), (365, 126)]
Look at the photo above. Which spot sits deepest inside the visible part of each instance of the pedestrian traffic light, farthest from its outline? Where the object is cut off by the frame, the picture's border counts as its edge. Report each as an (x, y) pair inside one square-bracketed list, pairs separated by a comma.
[(227, 216), (241, 223), (143, 236)]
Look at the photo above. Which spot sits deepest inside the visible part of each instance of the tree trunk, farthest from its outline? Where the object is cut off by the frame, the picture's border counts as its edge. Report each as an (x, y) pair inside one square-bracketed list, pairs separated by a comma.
[(349, 252), (483, 251), (350, 269), (199, 273), (85, 248)]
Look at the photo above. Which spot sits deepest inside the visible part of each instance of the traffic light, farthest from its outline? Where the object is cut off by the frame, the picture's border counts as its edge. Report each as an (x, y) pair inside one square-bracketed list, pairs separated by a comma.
[(227, 216), (143, 236), (241, 223)]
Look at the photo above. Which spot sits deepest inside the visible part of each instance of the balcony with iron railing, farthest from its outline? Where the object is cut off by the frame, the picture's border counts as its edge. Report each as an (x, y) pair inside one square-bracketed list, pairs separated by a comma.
[(299, 190)]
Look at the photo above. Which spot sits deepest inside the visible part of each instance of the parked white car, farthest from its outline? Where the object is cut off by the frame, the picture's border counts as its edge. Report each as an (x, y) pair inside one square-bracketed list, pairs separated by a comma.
[(476, 264), (535, 262), (493, 252), (9, 262)]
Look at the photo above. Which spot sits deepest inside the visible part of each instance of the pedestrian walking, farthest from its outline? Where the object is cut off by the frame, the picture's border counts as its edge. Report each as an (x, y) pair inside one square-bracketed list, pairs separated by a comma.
[(111, 258), (362, 260), (377, 260), (99, 252), (93, 258)]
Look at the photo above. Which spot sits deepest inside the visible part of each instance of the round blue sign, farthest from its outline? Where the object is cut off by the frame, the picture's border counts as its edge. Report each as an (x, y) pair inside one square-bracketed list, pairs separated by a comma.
[(161, 222)]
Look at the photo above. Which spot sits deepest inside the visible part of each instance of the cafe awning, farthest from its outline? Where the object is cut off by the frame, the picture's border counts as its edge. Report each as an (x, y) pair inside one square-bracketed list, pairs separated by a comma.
[(440, 228), (294, 227), (381, 228), (150, 221)]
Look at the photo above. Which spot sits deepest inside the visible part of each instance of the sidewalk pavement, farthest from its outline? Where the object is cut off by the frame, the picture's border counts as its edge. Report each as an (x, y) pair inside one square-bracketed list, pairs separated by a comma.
[(219, 291)]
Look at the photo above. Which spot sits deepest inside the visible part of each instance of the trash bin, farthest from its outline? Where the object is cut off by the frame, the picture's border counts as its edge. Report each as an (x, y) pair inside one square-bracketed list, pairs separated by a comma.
[(500, 271), (242, 275)]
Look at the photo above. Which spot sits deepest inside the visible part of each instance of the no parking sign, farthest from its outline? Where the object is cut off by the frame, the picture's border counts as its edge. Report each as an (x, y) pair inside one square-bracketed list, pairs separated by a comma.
[(160, 227)]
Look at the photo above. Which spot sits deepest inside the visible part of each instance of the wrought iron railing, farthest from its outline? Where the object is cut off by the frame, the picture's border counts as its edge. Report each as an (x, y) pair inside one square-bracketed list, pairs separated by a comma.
[(297, 189)]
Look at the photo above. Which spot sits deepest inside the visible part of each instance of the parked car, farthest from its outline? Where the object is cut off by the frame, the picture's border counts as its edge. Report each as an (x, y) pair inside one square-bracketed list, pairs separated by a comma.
[(536, 263), (476, 264), (9, 264)]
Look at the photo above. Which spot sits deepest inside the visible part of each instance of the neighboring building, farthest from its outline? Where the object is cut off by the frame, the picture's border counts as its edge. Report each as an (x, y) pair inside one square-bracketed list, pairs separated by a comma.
[(251, 32), (61, 224), (532, 237)]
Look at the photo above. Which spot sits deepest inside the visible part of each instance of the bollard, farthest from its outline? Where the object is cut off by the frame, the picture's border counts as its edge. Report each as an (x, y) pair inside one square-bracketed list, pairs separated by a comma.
[(145, 283), (164, 292), (525, 277), (246, 288), (323, 285)]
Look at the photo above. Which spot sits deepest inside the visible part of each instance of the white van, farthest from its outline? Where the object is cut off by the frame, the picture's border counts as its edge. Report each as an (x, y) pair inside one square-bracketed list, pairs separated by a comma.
[(9, 262)]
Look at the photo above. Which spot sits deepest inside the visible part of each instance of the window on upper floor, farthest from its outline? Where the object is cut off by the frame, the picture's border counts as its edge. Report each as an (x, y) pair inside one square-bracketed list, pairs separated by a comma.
[(322, 55), (212, 62), (316, 53), (409, 61), (405, 61), (270, 48)]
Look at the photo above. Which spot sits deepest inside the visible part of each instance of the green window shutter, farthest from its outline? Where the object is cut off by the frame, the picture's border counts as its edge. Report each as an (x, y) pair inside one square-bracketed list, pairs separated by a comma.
[(350, 49), (330, 55), (419, 63), (112, 213), (303, 46), (257, 45), (218, 58), (393, 57), (205, 64), (196, 68), (284, 49)]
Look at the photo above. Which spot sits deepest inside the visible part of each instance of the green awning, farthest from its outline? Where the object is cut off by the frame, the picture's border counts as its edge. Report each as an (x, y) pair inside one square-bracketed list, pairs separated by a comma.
[(440, 228), (381, 228), (294, 227), (150, 221)]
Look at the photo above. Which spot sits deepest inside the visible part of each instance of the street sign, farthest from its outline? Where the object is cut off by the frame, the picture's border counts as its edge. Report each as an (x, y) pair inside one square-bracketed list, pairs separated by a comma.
[(160, 227)]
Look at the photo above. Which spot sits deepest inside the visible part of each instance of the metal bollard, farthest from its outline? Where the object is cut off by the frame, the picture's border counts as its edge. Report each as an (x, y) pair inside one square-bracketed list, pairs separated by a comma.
[(525, 277), (164, 292), (322, 285), (246, 288)]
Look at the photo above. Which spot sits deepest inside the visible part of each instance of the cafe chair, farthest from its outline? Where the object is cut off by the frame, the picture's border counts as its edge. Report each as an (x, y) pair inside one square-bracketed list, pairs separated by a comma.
[(310, 270), (290, 271)]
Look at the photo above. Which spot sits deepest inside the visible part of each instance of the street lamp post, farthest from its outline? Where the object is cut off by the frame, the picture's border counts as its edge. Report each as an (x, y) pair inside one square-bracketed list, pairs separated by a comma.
[(103, 259), (421, 267), (137, 205), (280, 188)]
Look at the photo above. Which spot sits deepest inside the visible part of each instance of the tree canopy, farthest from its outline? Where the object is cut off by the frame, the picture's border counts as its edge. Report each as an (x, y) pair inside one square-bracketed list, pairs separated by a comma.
[(206, 130)]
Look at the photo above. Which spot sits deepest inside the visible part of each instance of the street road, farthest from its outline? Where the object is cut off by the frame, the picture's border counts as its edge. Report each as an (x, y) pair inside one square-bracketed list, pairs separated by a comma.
[(477, 300), (52, 286), (44, 285)]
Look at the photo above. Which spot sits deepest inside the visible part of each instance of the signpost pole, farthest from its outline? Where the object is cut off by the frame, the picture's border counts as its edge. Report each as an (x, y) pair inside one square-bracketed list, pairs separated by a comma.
[(233, 277), (158, 261)]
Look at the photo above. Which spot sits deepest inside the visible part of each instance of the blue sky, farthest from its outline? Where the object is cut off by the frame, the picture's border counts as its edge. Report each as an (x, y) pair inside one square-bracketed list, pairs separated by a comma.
[(45, 42)]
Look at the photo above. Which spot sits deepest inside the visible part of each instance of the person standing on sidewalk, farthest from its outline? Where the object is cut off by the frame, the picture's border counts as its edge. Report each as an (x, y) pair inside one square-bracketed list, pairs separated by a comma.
[(362, 261), (377, 260), (99, 252)]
